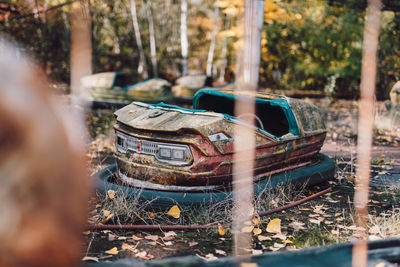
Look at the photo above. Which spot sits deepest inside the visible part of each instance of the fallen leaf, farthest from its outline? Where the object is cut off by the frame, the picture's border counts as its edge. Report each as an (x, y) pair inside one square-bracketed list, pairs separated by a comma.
[(86, 232), (174, 211), (274, 226), (373, 230), (334, 232), (192, 244), (169, 236), (122, 238), (279, 245), (220, 252), (257, 231), (211, 257), (131, 111), (111, 237), (87, 258), (106, 213), (247, 229), (264, 238), (152, 237), (338, 214), (280, 236), (287, 241), (141, 254), (151, 215), (113, 251), (315, 221), (221, 230), (136, 238), (107, 219), (256, 221), (126, 246), (296, 225), (111, 194), (170, 233)]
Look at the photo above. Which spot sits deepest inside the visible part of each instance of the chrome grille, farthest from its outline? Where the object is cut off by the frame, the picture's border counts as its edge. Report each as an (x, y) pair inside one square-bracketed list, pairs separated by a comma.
[(147, 147)]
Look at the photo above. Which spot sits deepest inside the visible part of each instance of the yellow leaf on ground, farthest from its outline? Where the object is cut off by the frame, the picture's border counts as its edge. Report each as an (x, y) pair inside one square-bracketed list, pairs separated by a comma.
[(373, 230), (111, 194), (106, 213), (256, 221), (174, 212), (108, 218), (247, 229), (136, 238), (257, 231), (221, 230), (335, 232), (126, 246), (151, 215), (274, 226), (113, 251)]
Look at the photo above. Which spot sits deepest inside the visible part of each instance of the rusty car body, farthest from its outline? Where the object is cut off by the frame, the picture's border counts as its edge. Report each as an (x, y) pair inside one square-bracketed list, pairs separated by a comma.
[(113, 86), (169, 148)]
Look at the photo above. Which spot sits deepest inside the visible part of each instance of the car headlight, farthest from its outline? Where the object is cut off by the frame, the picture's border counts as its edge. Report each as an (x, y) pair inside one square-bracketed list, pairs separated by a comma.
[(174, 153)]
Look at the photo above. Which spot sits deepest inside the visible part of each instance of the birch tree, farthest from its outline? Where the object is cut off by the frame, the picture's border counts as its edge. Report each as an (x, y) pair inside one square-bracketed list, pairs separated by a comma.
[(184, 38), (153, 51), (81, 44), (224, 51), (142, 70), (212, 43)]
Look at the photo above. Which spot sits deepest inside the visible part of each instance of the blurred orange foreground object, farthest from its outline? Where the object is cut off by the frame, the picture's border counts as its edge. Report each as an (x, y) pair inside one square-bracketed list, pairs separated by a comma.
[(43, 191)]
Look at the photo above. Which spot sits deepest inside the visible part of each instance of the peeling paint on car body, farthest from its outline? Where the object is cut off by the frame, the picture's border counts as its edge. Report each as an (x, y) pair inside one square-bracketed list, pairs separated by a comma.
[(285, 145)]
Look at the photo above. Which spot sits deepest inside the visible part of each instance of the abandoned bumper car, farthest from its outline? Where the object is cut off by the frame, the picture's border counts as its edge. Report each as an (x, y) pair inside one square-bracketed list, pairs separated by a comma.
[(170, 154)]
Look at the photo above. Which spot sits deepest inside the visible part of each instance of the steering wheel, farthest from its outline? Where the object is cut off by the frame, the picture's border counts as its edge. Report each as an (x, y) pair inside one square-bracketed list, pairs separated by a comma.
[(252, 115)]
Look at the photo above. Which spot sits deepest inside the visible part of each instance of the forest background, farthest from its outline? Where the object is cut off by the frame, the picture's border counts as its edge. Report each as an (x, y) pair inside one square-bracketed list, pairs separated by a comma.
[(306, 45)]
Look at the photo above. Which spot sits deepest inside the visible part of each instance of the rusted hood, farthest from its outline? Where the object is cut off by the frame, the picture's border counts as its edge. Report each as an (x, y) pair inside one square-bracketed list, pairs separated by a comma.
[(146, 117)]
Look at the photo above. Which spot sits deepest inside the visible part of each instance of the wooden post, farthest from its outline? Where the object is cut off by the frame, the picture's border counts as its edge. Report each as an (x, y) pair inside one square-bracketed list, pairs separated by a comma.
[(365, 126), (247, 70)]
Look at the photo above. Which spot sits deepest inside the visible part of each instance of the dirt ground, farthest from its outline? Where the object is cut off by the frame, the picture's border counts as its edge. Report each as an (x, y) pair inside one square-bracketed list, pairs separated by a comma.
[(325, 220)]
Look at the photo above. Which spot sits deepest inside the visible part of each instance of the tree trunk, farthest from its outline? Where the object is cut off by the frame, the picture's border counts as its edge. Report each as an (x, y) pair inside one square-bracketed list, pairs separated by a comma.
[(142, 70), (153, 51), (81, 45), (224, 60), (212, 43), (184, 38)]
